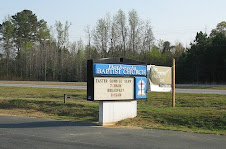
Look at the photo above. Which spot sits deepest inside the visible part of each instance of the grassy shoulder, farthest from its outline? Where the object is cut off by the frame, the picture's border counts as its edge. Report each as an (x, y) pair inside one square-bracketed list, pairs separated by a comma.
[(42, 102), (193, 112)]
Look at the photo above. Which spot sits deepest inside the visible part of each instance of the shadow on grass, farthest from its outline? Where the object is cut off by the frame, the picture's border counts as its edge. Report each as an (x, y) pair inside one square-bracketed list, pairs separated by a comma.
[(43, 124)]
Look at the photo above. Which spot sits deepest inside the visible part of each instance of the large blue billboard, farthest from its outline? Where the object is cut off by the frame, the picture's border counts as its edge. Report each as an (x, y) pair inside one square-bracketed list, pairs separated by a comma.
[(120, 69)]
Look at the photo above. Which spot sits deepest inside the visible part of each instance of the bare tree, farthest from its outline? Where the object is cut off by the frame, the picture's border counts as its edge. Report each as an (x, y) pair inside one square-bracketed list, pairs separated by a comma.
[(133, 30), (89, 36), (101, 36), (121, 28), (62, 43), (79, 60), (148, 37), (114, 37)]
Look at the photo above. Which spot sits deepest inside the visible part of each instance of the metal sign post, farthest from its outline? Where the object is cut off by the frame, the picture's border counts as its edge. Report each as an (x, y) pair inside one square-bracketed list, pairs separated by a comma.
[(173, 84)]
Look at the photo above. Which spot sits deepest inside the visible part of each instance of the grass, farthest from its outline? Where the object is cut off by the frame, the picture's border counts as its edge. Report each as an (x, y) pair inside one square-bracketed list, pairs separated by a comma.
[(204, 113), (193, 112), (48, 103)]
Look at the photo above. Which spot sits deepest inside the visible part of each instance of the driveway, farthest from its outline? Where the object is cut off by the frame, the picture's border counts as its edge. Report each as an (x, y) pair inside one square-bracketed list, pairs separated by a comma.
[(24, 132)]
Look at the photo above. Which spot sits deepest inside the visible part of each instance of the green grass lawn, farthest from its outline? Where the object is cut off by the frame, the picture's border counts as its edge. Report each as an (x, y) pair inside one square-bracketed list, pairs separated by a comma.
[(204, 113), (48, 103), (193, 112)]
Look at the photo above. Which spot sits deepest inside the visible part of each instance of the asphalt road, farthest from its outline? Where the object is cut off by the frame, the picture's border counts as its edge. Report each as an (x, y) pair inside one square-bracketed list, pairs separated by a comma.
[(45, 86), (202, 91), (36, 133)]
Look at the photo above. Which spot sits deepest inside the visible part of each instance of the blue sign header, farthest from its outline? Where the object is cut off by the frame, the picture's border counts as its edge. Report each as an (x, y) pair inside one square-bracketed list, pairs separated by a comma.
[(120, 69)]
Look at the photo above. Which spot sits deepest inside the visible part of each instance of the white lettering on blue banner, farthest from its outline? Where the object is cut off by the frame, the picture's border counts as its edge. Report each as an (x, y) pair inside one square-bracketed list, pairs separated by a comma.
[(119, 69)]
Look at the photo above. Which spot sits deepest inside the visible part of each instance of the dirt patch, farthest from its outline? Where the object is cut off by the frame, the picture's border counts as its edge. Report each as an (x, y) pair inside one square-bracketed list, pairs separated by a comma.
[(137, 123), (22, 112)]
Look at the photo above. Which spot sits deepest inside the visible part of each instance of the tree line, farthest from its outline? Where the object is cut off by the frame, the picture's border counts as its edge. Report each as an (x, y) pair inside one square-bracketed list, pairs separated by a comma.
[(205, 60), (31, 50)]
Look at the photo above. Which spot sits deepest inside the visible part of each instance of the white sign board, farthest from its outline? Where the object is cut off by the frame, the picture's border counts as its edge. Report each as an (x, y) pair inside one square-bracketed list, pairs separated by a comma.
[(113, 88), (160, 78)]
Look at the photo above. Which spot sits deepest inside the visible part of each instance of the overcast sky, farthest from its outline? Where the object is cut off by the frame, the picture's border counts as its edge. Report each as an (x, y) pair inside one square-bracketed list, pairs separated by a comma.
[(172, 20)]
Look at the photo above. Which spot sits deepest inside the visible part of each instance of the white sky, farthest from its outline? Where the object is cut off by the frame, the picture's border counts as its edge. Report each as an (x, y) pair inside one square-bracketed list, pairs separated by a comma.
[(172, 20)]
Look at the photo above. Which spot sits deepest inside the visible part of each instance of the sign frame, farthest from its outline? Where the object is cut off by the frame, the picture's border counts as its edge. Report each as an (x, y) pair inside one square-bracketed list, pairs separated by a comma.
[(110, 87), (113, 61)]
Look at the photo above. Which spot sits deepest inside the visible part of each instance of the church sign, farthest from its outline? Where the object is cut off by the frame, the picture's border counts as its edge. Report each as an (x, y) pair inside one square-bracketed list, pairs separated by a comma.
[(120, 69), (116, 79), (113, 88)]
